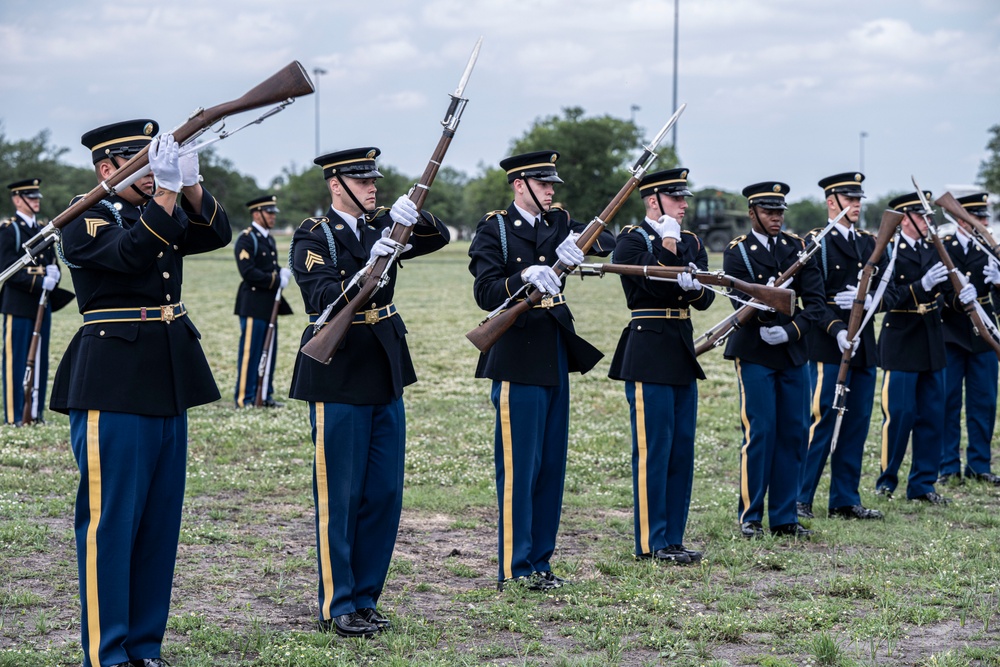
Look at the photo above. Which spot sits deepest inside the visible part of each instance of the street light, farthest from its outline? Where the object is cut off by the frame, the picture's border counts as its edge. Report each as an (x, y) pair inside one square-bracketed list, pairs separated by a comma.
[(676, 23), (861, 168), (633, 109), (317, 72)]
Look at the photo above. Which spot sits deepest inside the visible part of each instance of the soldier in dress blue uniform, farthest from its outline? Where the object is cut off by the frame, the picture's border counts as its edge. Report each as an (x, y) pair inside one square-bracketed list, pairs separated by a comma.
[(770, 357), (530, 363), (127, 379), (656, 359), (257, 261), (19, 300), (356, 402), (912, 356), (971, 360), (843, 254)]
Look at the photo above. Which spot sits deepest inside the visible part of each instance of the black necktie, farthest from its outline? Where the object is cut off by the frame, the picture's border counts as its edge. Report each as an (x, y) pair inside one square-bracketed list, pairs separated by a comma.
[(361, 221), (770, 244)]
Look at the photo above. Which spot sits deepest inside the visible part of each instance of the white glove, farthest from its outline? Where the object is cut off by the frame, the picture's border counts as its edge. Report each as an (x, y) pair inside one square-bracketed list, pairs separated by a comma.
[(773, 335), (52, 271), (845, 298), (385, 246), (968, 294), (543, 278), (668, 228), (190, 175), (992, 273), (49, 284), (164, 162), (283, 275), (843, 343), (936, 274), (404, 211), (687, 282), (568, 252)]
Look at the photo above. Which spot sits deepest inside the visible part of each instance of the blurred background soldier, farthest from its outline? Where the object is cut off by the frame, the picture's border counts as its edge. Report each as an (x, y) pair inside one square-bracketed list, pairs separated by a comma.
[(770, 357), (656, 359), (257, 260), (971, 361), (531, 362)]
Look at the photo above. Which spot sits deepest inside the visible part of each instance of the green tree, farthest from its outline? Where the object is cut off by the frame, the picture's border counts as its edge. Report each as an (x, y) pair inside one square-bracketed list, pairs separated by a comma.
[(231, 188), (487, 192), (805, 215), (873, 209), (989, 169), (37, 158)]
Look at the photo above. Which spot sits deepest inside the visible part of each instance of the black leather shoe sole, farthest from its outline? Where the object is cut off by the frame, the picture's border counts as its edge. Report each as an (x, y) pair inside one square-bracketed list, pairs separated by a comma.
[(378, 620)]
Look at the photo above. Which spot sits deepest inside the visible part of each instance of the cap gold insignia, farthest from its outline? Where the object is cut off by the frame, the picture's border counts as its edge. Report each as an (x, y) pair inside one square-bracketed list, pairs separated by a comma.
[(35, 182), (93, 224), (147, 129), (370, 155), (312, 259), (985, 197), (244, 254), (684, 174), (857, 177), (776, 188), (553, 158)]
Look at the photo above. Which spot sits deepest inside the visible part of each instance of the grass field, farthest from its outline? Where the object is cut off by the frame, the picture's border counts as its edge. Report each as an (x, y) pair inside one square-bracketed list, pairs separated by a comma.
[(920, 588)]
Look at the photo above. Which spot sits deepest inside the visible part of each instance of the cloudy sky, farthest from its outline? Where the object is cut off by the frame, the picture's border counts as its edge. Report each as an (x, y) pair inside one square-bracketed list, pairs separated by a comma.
[(776, 89)]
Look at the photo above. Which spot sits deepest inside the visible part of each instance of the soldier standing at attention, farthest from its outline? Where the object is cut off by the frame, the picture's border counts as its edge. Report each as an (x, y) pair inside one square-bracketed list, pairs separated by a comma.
[(356, 401), (127, 379), (770, 357), (530, 363), (656, 359), (844, 252), (257, 261)]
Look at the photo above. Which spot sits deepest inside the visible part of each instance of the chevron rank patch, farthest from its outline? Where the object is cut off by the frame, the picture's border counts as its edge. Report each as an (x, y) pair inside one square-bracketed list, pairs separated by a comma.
[(312, 259), (244, 254), (93, 224)]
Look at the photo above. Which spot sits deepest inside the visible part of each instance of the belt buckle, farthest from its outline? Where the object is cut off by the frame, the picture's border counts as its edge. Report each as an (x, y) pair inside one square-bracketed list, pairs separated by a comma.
[(371, 316), (547, 301), (923, 308), (167, 314)]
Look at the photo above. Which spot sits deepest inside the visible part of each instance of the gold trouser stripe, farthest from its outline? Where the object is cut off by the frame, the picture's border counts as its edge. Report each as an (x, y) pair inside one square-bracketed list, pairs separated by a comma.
[(885, 421), (640, 434), (508, 481), (323, 510), (247, 338), (744, 485), (94, 488), (8, 364), (815, 404)]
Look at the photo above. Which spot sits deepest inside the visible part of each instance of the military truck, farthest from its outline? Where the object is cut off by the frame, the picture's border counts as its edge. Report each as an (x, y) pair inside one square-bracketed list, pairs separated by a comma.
[(717, 217)]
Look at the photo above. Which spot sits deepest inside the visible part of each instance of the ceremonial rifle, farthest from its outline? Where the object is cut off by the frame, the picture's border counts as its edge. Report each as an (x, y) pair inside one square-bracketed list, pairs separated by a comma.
[(375, 274), (718, 334), (972, 309), (775, 298), (264, 367), (948, 202), (502, 318), (30, 391), (281, 88), (886, 230)]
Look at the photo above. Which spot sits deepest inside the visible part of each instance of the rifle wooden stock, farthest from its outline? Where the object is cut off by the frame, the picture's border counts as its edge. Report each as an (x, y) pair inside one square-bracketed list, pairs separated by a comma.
[(489, 331), (32, 362), (265, 361), (948, 202)]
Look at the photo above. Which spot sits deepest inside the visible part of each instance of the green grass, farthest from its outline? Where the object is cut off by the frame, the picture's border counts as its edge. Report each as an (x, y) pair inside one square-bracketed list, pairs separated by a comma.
[(920, 587)]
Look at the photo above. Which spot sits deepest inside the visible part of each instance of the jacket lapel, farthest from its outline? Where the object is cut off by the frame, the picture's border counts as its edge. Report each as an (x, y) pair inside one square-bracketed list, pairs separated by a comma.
[(342, 232)]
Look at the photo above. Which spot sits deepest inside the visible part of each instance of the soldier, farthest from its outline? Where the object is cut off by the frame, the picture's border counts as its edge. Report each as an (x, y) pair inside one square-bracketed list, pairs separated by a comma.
[(912, 355), (127, 379), (656, 359), (770, 357), (19, 303), (355, 402), (530, 364), (844, 251), (971, 361), (257, 261)]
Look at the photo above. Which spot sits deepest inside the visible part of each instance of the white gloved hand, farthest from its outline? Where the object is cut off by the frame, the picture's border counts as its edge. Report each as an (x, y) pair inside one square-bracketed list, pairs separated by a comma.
[(773, 335), (936, 274), (968, 294), (48, 284), (845, 298), (543, 278), (283, 275), (568, 252), (992, 273), (190, 174), (164, 162), (843, 343), (385, 246), (52, 271), (688, 282), (404, 211), (668, 228)]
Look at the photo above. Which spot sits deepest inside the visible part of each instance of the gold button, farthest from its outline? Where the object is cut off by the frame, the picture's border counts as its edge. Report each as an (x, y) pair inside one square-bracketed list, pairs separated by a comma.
[(253, 289), (166, 275), (519, 259), (168, 298), (859, 265), (343, 273), (759, 277), (102, 332), (175, 247), (160, 256), (680, 298), (541, 258), (373, 305), (837, 266), (638, 328)]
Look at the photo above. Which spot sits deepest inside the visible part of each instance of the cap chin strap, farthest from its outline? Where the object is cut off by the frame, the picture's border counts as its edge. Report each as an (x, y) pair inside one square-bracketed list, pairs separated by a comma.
[(354, 199), (756, 218), (659, 202), (541, 209), (145, 197)]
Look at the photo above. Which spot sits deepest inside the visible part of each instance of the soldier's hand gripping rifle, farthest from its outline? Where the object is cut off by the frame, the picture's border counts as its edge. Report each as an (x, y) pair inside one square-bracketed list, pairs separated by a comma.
[(988, 332), (281, 88), (267, 353), (718, 334), (502, 318), (373, 276), (775, 298), (886, 230)]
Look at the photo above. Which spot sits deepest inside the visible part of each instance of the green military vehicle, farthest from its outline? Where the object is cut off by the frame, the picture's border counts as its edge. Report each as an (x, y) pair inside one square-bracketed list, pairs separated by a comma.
[(717, 217)]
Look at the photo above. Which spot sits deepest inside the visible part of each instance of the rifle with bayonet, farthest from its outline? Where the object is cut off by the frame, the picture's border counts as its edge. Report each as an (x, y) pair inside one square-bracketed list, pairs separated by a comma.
[(281, 88), (775, 298), (948, 202), (718, 334), (267, 353), (323, 345), (886, 230), (502, 318), (30, 392)]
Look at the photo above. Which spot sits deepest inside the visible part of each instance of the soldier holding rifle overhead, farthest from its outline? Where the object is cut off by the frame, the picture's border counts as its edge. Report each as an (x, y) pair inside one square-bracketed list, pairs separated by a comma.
[(257, 261), (770, 357), (530, 363), (843, 254), (971, 361), (655, 357), (356, 401), (127, 379)]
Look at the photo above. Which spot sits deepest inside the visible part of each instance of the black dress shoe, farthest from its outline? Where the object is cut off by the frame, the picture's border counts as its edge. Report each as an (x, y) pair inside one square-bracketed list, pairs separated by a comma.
[(932, 498), (954, 478), (536, 581), (751, 529), (549, 576), (693, 556), (987, 477), (375, 618), (884, 491), (271, 403), (667, 555), (855, 512), (804, 511), (349, 625), (791, 530)]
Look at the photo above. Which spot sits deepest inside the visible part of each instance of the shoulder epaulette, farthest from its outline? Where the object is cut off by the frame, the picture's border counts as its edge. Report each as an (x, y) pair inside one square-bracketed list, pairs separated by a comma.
[(865, 232), (696, 238), (948, 237), (556, 207), (814, 231), (246, 231), (630, 228), (793, 235), (735, 242), (6, 221), (316, 222), (493, 214)]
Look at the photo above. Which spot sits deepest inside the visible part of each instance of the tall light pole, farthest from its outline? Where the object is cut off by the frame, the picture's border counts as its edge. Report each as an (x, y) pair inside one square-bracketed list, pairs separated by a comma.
[(317, 72), (676, 21), (861, 168), (633, 109)]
